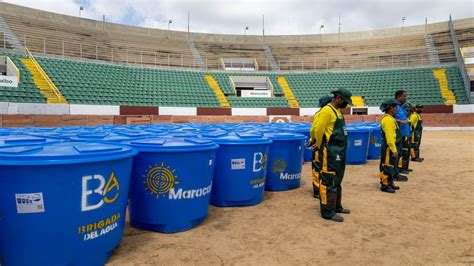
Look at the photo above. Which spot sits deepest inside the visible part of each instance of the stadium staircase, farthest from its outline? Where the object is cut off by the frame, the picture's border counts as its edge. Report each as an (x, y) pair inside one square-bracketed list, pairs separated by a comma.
[(217, 90), (446, 92), (197, 56), (292, 101), (9, 36), (44, 83), (357, 101), (269, 55), (431, 48)]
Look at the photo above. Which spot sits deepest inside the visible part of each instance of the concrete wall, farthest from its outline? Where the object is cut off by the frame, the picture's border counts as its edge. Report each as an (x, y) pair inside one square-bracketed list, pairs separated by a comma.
[(249, 111), (463, 109), (57, 109), (429, 120), (178, 111), (78, 109)]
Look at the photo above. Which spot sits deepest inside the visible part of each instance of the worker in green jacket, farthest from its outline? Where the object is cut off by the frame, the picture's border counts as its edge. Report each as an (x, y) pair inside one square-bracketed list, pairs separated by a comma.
[(331, 144), (416, 132), (391, 141), (316, 163)]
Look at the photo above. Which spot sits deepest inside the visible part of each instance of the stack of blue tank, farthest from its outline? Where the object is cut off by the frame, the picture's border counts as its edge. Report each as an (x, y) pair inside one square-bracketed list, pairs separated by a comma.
[(77, 179)]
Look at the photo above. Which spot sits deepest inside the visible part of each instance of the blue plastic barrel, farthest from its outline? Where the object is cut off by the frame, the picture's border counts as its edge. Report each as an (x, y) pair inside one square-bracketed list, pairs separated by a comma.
[(358, 145), (171, 183), (285, 161), (62, 204), (241, 166)]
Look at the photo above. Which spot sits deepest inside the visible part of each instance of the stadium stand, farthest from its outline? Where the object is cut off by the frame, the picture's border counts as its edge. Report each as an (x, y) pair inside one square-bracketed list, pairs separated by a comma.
[(372, 64), (108, 84), (375, 86), (53, 34)]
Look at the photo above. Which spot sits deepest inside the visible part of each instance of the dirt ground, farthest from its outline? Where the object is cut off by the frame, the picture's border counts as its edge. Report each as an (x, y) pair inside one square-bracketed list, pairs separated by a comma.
[(430, 220)]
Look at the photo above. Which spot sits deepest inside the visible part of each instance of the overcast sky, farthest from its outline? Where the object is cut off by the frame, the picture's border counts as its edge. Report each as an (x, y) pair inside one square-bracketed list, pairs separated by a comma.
[(281, 17)]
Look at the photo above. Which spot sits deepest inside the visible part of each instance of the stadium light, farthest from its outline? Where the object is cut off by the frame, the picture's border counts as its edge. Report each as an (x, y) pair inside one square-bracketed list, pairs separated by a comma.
[(80, 9), (403, 23), (245, 30), (169, 23)]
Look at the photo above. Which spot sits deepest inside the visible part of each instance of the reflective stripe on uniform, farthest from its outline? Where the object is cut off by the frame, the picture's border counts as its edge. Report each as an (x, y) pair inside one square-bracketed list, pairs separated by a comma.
[(325, 162), (323, 193), (384, 178)]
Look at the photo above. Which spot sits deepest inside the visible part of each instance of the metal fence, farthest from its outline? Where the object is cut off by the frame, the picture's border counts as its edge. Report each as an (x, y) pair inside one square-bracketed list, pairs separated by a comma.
[(459, 57), (132, 56)]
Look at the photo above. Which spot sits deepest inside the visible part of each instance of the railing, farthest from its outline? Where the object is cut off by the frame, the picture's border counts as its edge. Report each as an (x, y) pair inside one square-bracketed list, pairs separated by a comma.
[(44, 75), (459, 57), (132, 56)]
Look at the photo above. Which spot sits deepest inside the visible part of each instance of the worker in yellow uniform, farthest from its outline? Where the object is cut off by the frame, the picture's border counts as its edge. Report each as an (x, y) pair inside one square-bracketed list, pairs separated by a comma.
[(331, 143), (391, 141), (316, 163), (416, 122)]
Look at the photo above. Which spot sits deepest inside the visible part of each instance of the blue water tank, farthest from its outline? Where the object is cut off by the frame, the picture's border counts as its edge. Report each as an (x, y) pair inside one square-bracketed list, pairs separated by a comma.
[(62, 204), (26, 140), (171, 183), (358, 145), (375, 142), (112, 137), (285, 161), (241, 167)]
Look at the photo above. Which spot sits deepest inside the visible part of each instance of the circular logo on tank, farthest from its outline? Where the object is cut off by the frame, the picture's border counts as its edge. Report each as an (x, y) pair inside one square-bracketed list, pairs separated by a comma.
[(279, 166), (160, 179)]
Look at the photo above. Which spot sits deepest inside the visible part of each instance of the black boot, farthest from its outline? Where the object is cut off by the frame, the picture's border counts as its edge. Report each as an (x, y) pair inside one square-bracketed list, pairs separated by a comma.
[(315, 192), (417, 157), (394, 187), (400, 178), (387, 189), (405, 170), (336, 218), (344, 211)]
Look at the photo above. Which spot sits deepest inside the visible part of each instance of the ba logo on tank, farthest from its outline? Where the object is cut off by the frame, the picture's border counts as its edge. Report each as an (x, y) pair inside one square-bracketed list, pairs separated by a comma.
[(96, 191), (259, 161), (161, 181)]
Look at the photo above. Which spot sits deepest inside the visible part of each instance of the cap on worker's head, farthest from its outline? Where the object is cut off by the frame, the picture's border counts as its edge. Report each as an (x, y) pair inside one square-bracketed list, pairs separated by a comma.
[(324, 100), (408, 106), (387, 104), (419, 106), (345, 94)]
